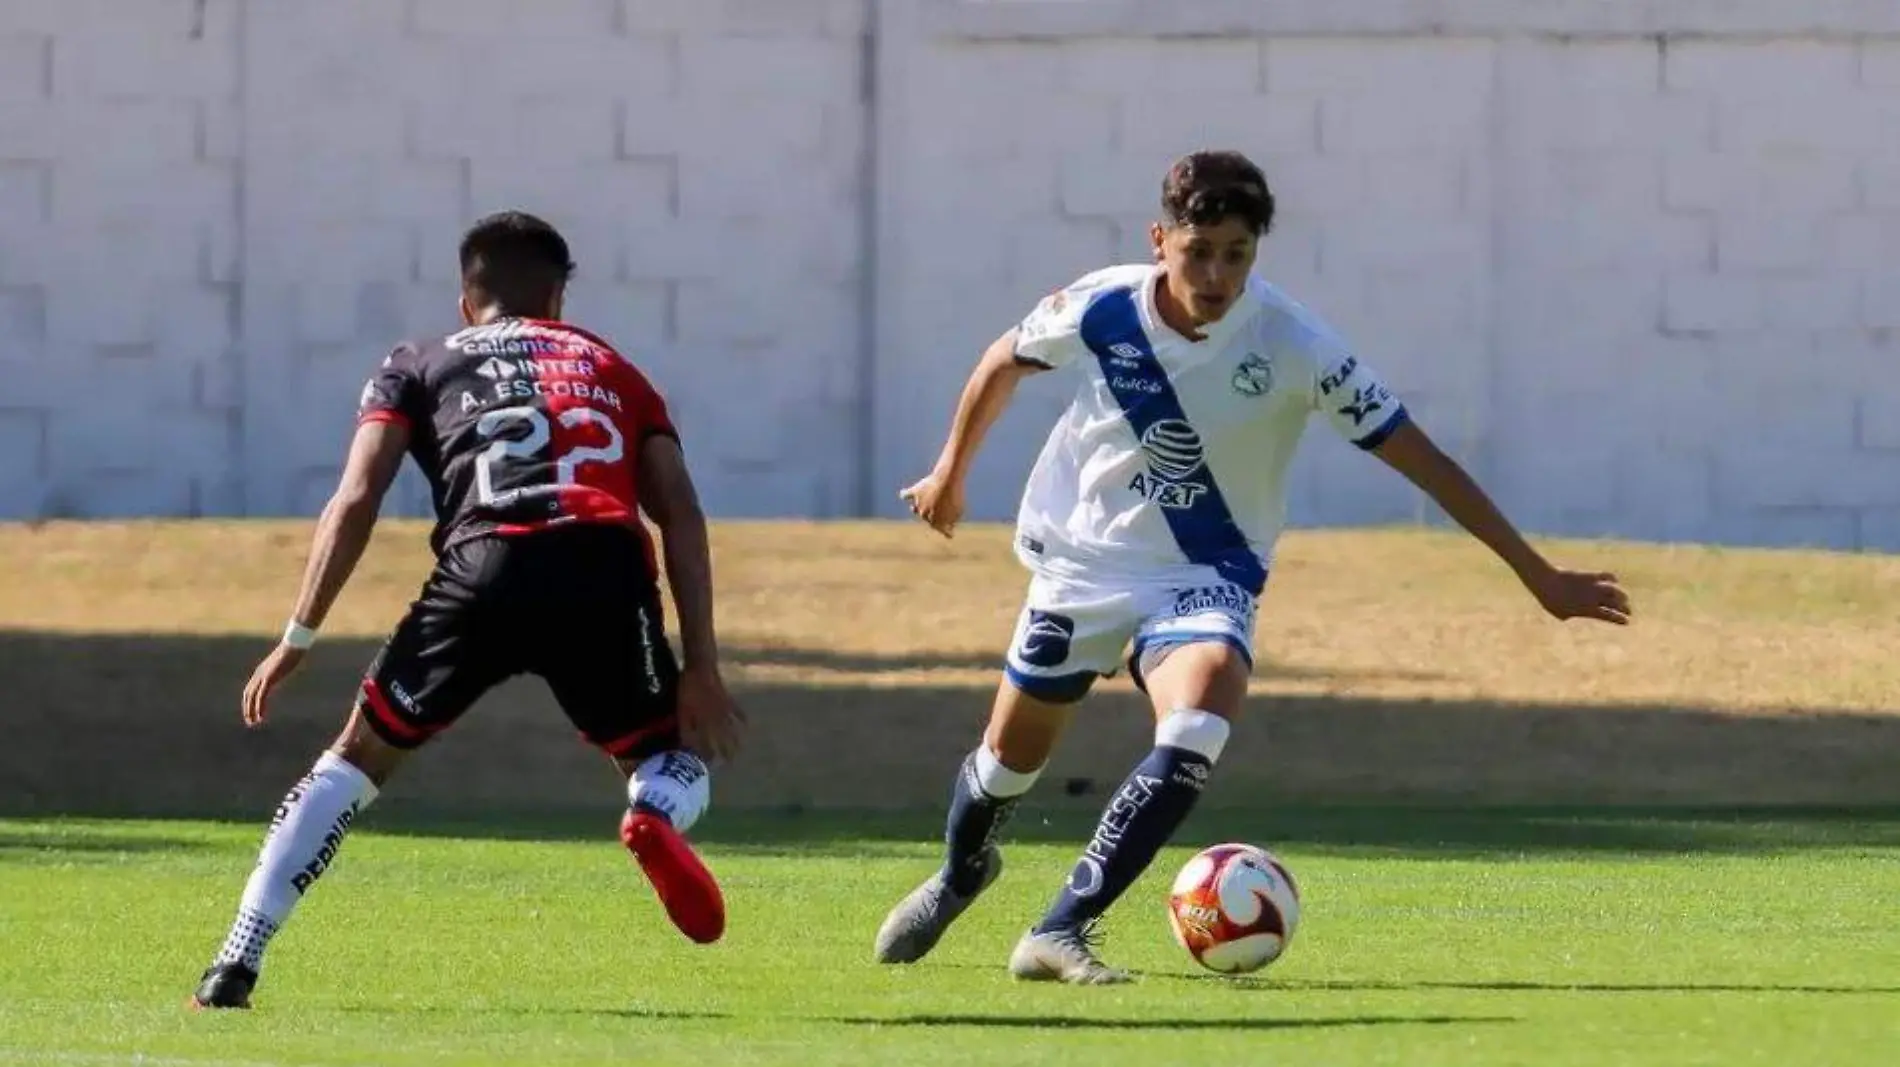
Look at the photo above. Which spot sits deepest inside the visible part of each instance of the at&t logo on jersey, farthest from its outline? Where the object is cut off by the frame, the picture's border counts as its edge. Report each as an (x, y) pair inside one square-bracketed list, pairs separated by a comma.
[(1174, 454)]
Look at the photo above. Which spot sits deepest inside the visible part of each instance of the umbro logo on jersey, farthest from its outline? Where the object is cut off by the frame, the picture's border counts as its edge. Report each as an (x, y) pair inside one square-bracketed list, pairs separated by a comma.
[(1125, 350)]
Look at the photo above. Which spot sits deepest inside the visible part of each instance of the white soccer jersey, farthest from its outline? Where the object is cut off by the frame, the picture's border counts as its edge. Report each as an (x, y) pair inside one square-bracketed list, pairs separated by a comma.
[(1172, 458)]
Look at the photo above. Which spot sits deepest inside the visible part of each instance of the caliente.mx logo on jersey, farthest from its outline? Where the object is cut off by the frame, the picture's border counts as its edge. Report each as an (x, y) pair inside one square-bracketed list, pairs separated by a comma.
[(1174, 454)]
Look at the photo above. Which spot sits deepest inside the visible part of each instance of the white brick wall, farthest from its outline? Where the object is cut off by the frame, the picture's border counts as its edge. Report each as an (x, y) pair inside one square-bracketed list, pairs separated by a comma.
[(216, 215), (1637, 261)]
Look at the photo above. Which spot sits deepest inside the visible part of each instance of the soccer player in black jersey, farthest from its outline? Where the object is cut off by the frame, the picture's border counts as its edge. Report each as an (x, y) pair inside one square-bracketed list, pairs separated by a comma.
[(542, 446)]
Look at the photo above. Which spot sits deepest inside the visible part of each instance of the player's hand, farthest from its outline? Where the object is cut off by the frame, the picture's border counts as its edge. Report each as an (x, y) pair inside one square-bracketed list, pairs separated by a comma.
[(710, 721), (1581, 595), (282, 662), (938, 500)]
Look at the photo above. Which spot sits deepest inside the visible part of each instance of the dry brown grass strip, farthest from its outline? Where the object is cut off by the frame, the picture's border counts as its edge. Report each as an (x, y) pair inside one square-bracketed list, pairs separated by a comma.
[(1410, 614)]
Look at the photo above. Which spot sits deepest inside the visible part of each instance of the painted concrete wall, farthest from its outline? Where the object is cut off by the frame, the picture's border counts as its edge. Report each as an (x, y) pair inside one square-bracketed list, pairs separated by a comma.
[(1638, 262)]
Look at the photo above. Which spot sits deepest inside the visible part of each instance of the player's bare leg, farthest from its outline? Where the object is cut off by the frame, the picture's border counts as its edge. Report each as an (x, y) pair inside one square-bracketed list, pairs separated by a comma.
[(666, 795), (1022, 732), (1196, 690), (305, 834)]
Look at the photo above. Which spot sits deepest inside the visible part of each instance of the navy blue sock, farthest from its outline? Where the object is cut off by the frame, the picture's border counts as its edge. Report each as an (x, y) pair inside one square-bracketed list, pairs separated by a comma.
[(1140, 818), (975, 820)]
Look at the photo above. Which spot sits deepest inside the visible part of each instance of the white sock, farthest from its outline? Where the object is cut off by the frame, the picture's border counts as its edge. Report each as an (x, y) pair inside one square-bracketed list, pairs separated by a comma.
[(303, 839), (997, 781), (676, 784), (1200, 732)]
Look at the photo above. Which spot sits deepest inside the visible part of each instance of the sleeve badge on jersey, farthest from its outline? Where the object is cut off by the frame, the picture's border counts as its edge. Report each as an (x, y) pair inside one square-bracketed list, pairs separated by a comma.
[(1366, 401)]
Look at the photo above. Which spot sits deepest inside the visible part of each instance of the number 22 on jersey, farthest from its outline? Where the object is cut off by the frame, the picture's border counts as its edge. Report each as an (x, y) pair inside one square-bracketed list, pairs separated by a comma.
[(530, 446)]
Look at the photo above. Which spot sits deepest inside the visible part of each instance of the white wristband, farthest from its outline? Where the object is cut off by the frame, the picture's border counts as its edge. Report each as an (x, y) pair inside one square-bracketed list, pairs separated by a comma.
[(297, 635)]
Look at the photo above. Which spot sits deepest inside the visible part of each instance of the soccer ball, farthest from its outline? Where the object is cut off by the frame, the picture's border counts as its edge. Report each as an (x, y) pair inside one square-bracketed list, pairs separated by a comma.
[(1234, 908)]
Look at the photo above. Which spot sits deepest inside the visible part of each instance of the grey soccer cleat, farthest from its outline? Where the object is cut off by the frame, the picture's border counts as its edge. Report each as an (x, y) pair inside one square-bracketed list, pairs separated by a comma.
[(918, 921), (1063, 956)]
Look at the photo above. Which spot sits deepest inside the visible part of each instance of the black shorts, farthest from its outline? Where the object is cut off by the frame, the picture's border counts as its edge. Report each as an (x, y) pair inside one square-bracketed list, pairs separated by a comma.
[(577, 606)]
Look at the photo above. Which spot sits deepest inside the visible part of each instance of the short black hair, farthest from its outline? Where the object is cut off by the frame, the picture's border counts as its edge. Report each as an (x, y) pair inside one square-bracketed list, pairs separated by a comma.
[(1203, 188), (515, 261)]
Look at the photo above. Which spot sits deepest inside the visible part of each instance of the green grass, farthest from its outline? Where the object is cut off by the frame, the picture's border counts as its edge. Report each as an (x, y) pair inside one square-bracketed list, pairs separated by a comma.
[(1465, 938)]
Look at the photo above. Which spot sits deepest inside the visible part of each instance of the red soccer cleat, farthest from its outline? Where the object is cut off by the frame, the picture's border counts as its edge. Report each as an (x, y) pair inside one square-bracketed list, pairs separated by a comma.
[(686, 888)]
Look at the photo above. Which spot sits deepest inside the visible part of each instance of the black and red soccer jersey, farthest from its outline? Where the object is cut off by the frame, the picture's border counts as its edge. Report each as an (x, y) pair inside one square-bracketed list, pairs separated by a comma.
[(520, 425)]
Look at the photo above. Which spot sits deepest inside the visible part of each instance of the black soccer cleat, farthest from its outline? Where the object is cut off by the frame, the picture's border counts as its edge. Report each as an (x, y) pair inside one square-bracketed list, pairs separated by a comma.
[(225, 985)]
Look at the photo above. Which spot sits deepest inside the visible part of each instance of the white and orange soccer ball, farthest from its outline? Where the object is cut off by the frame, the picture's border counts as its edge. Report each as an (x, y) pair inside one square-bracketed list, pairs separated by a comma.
[(1234, 908)]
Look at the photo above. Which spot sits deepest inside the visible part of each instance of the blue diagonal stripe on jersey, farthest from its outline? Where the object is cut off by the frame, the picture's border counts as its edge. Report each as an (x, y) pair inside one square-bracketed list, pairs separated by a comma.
[(1205, 529)]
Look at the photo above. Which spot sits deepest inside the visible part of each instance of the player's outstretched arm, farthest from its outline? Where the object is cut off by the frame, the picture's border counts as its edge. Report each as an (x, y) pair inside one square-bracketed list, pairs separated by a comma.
[(1565, 594), (709, 720), (343, 532), (938, 497)]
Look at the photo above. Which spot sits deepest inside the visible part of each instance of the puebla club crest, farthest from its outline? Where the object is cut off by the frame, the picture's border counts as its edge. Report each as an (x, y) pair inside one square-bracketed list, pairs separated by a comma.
[(1254, 376)]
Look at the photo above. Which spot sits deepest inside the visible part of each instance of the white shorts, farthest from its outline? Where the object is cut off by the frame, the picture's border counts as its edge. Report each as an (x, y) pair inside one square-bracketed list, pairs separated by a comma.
[(1071, 633)]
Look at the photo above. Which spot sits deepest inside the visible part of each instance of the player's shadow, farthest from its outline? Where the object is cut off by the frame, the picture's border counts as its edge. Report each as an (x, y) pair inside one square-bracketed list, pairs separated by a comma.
[(1071, 1022), (26, 844), (536, 1010), (877, 664), (1435, 831), (857, 663), (1352, 985), (844, 767)]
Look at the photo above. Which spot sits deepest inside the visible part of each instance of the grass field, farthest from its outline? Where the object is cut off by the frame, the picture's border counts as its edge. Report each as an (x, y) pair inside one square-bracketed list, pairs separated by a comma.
[(1466, 940), (1519, 842)]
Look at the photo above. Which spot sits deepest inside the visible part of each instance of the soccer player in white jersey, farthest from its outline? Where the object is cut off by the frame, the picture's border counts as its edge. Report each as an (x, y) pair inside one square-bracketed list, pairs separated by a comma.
[(1149, 521)]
